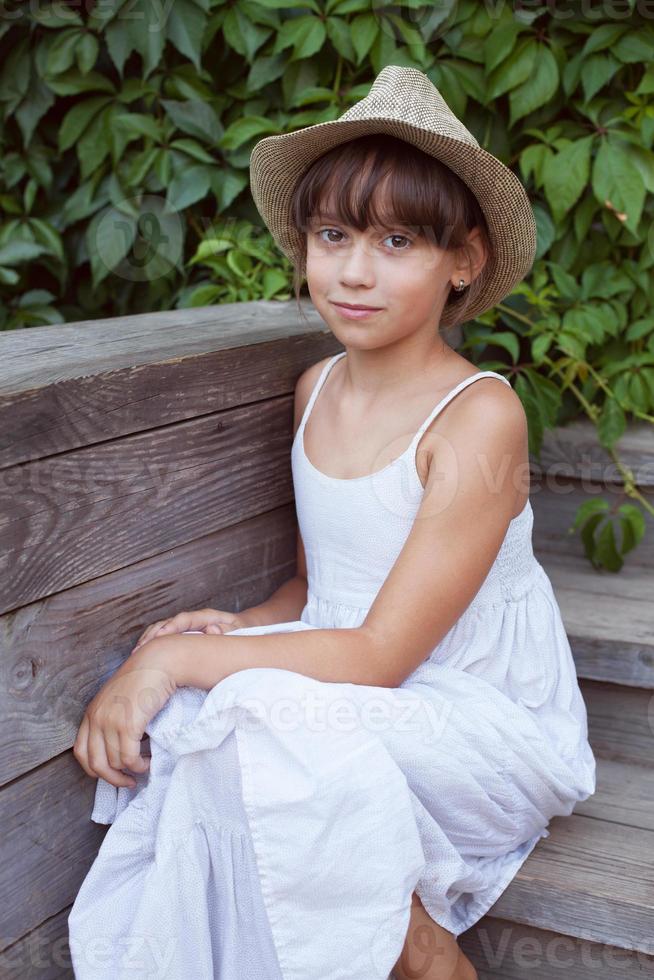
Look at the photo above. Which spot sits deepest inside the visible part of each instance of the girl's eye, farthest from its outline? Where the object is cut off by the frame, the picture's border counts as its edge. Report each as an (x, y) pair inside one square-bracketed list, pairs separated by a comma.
[(404, 238), (323, 230), (403, 248)]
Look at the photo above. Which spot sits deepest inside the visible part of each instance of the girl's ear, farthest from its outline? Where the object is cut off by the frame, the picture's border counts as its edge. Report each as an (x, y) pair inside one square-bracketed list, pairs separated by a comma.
[(473, 256)]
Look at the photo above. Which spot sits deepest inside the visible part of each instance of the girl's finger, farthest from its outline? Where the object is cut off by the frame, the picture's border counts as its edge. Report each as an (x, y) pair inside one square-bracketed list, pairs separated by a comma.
[(81, 747), (100, 764), (130, 754), (149, 633)]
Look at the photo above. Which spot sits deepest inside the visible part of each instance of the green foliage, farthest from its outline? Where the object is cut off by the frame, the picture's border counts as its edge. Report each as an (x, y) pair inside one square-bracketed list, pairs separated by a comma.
[(126, 133)]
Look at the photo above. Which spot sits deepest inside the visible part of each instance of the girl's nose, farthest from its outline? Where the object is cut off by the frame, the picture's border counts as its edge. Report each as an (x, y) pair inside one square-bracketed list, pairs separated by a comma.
[(357, 264)]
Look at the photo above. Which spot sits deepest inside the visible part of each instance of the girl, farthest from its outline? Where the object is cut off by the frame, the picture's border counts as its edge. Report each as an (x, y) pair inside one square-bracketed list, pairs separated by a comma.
[(346, 777)]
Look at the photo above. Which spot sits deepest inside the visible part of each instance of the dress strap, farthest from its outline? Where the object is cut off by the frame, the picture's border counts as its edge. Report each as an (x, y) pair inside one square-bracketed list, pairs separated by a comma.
[(448, 398), (316, 388)]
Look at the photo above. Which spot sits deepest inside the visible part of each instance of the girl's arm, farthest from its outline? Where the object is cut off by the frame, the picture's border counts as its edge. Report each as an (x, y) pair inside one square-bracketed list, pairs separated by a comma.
[(337, 655)]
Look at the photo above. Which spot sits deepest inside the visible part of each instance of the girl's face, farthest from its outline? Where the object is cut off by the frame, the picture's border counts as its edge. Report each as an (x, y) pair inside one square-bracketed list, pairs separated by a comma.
[(404, 276)]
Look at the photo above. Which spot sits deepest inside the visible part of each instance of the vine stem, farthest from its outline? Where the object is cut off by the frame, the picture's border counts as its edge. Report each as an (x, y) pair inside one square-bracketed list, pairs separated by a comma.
[(630, 487)]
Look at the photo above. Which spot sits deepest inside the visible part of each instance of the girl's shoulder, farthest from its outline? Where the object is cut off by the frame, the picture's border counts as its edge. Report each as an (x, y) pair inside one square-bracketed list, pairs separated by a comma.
[(303, 388)]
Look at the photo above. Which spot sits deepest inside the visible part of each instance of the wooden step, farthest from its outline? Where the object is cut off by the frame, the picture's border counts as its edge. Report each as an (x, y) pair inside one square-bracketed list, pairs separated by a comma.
[(582, 904), (609, 618)]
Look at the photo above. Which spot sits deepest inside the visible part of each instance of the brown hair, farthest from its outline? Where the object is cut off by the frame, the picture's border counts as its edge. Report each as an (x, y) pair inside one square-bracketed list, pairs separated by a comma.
[(423, 193)]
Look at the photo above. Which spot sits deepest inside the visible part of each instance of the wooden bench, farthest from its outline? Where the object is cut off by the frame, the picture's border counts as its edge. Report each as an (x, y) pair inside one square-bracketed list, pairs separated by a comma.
[(132, 452)]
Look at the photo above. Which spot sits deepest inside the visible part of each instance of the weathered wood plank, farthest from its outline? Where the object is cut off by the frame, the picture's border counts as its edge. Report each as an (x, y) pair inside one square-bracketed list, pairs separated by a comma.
[(47, 845), (502, 950), (92, 511), (620, 721), (609, 618), (624, 795), (81, 383), (573, 450), (587, 880), (58, 652), (42, 954)]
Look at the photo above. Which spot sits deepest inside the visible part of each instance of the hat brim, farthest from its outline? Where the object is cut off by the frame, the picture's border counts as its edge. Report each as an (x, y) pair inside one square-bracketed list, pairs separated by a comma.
[(277, 162)]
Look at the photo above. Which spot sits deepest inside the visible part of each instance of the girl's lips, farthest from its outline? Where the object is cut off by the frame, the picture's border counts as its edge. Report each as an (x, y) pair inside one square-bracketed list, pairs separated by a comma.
[(354, 314)]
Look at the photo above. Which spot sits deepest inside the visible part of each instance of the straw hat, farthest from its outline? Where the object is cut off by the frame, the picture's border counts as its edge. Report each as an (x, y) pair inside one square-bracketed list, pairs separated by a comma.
[(405, 103)]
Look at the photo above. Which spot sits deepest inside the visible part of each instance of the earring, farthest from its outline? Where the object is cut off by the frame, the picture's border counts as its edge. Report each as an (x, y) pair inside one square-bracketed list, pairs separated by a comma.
[(461, 286)]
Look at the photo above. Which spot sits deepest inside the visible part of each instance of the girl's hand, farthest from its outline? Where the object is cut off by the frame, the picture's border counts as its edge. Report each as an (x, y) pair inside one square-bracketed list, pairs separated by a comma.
[(205, 620), (109, 736)]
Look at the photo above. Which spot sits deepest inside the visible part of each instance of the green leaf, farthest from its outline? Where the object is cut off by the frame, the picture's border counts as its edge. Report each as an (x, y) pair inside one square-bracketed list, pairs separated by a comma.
[(188, 186), (245, 129), (572, 343), (535, 426), (365, 28), (15, 75), (210, 247), (309, 96), (538, 88), (515, 70), (227, 184), (545, 230), (109, 238), (606, 551), (265, 70), (61, 54), (634, 47), (306, 33), (500, 43), (192, 149), (33, 107), (8, 277), (74, 83), (582, 322), (596, 71), (640, 328), (604, 36), (617, 180), (611, 423), (95, 143), (195, 117), (78, 118), (185, 27), (16, 251), (633, 526), (273, 281), (204, 295), (566, 174), (588, 534), (87, 53), (566, 284), (48, 236), (508, 341), (341, 37), (532, 160), (35, 297), (137, 27), (136, 124), (239, 263), (242, 35), (646, 84)]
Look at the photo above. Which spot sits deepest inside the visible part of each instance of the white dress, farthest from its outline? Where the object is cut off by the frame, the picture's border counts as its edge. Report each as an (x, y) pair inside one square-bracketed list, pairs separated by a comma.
[(285, 822)]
